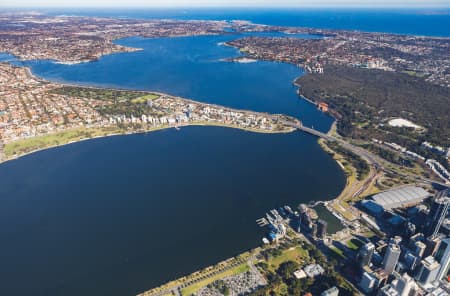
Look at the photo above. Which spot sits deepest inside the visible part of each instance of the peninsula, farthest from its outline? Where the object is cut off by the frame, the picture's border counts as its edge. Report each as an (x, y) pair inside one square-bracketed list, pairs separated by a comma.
[(37, 114), (389, 94)]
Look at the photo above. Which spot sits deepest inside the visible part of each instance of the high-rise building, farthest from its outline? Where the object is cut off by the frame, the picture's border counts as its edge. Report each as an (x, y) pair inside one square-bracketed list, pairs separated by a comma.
[(321, 228), (402, 286), (365, 254), (396, 240), (428, 271), (313, 229), (432, 244), (419, 248), (368, 283), (437, 214), (443, 257), (405, 285), (388, 290), (411, 260), (391, 258)]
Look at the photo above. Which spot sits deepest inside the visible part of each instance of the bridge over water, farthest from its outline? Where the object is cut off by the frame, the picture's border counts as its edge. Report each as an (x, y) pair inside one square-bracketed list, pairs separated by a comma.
[(375, 160), (371, 158)]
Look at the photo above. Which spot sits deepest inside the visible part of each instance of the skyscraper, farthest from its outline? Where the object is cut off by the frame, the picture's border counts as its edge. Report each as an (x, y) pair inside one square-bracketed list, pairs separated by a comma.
[(404, 285), (411, 260), (419, 248), (443, 257), (432, 244), (391, 258), (365, 254), (321, 228), (438, 212), (428, 271), (368, 282)]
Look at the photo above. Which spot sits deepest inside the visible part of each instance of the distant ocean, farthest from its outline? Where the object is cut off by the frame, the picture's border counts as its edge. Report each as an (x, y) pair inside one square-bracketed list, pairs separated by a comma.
[(119, 215), (429, 22)]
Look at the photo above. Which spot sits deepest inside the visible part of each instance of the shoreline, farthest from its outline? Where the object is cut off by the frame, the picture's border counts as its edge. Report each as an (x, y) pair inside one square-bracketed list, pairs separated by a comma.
[(294, 82), (4, 157), (124, 132), (245, 57), (137, 132)]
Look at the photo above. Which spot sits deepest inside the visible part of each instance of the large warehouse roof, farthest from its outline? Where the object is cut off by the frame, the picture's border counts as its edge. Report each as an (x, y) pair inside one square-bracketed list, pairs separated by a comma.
[(400, 197)]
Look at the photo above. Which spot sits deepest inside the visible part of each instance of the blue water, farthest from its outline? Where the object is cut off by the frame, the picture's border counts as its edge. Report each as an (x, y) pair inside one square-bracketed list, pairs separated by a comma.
[(8, 58), (425, 21), (193, 67), (119, 215)]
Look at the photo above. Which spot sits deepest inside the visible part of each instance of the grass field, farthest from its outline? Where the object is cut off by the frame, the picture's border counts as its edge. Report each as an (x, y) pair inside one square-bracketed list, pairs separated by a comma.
[(337, 252), (354, 244), (24, 146), (144, 99), (59, 138), (195, 287), (296, 254)]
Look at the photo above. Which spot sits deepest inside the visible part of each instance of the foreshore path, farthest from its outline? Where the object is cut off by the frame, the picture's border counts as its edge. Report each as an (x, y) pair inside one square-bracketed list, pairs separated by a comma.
[(205, 274)]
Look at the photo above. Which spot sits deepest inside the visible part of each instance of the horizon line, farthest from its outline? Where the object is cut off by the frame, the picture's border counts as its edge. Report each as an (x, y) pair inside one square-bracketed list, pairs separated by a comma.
[(369, 6)]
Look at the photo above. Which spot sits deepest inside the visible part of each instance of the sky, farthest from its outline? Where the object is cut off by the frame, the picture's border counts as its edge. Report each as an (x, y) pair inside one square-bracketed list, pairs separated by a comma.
[(225, 3)]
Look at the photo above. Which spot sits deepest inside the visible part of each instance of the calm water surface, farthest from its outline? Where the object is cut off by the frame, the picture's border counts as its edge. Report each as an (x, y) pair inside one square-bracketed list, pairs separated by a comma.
[(418, 21), (119, 215)]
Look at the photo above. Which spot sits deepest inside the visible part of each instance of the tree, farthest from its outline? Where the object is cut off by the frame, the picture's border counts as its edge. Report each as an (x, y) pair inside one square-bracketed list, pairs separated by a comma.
[(286, 269)]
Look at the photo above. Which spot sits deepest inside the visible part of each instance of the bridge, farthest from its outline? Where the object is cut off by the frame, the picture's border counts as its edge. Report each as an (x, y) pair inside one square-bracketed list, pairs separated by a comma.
[(313, 204), (371, 158)]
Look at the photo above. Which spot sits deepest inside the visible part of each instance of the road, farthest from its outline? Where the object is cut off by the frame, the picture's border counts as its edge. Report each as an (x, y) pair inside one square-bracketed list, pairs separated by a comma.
[(376, 161), (378, 167), (368, 156)]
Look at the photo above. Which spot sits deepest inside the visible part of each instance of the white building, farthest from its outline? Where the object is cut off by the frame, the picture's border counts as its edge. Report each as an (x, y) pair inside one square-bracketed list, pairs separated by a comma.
[(428, 272), (314, 270), (333, 291), (391, 258)]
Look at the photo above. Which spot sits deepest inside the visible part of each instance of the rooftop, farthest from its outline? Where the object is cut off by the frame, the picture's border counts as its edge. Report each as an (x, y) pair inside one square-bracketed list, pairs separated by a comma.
[(400, 197), (314, 270)]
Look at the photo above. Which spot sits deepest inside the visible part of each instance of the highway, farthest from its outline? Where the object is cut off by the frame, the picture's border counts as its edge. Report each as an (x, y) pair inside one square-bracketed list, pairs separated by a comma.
[(376, 161), (368, 156)]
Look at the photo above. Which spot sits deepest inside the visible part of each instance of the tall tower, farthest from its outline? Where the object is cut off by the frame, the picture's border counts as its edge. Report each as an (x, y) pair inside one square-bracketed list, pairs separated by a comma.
[(438, 212), (428, 271), (419, 248), (365, 254), (404, 285), (321, 228), (443, 257), (391, 258)]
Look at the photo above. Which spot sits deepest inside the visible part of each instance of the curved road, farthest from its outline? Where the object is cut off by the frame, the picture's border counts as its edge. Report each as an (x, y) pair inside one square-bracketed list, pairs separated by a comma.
[(371, 158)]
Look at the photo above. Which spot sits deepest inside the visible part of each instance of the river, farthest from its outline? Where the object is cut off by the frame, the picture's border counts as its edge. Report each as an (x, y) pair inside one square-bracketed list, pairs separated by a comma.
[(119, 215)]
